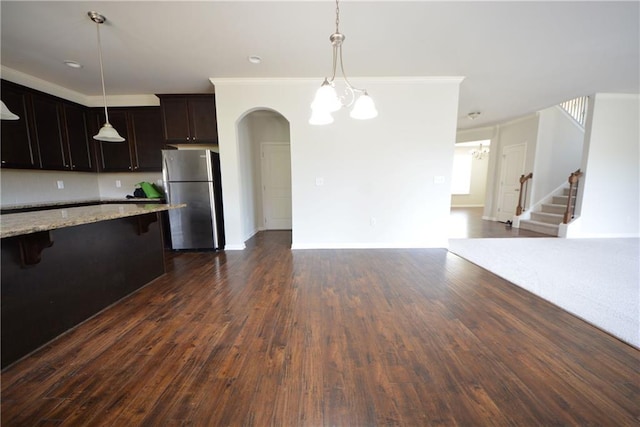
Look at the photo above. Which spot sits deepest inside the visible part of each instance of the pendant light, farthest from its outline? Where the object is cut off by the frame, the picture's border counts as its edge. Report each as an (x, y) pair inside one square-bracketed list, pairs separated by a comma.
[(327, 100), (107, 133), (6, 114)]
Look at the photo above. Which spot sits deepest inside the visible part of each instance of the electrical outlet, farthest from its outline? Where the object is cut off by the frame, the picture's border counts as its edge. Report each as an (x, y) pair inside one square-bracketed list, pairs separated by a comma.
[(439, 179), (60, 185), (118, 183), (319, 181), (373, 221)]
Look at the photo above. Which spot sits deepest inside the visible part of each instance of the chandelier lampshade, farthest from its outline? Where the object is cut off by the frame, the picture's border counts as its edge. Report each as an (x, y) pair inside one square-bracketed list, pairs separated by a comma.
[(328, 101)]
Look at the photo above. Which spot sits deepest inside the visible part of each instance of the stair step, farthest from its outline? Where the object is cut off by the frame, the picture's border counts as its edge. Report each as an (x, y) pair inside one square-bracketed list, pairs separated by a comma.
[(561, 200), (565, 192), (539, 227), (554, 209), (546, 217)]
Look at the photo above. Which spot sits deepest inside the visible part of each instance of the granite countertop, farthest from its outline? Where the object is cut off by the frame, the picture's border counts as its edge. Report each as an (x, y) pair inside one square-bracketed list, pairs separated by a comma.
[(16, 224), (96, 201)]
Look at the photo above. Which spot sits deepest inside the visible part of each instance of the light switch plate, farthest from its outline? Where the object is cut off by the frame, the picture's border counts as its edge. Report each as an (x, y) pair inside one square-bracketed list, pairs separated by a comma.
[(60, 185)]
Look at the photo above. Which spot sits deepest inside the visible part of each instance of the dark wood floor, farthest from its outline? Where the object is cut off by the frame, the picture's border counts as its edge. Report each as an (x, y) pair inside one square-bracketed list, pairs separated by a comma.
[(467, 223), (274, 337)]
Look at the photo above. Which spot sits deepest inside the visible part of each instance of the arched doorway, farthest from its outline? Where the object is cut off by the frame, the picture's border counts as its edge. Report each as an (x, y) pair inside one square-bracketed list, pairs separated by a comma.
[(265, 171)]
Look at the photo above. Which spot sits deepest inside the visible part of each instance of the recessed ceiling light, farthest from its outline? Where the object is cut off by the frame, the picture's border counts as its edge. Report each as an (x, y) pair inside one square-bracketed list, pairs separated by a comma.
[(254, 59), (72, 64)]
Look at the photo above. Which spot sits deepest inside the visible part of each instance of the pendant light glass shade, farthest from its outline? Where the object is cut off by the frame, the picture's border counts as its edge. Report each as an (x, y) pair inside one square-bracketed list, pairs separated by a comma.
[(319, 117), (108, 133), (327, 100), (6, 114), (364, 108)]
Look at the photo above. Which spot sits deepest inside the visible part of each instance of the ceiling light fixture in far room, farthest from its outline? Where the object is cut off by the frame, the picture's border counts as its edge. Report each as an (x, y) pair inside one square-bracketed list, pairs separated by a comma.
[(474, 115), (327, 100), (107, 132), (6, 114), (479, 153), (254, 59), (72, 64)]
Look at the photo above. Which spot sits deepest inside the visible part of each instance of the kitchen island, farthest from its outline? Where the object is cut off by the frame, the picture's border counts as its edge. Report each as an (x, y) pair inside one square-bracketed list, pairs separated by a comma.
[(62, 266)]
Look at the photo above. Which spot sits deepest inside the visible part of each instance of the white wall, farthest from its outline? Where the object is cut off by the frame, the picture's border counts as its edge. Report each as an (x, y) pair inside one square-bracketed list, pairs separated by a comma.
[(107, 183), (477, 191), (610, 189), (23, 187), (558, 151), (378, 175)]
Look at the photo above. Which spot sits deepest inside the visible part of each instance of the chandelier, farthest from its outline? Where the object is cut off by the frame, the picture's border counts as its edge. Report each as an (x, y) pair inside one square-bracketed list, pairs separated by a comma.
[(479, 153), (107, 132), (327, 100)]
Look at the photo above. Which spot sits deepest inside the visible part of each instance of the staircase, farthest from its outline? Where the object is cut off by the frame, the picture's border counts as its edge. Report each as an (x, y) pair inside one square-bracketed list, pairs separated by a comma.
[(547, 219)]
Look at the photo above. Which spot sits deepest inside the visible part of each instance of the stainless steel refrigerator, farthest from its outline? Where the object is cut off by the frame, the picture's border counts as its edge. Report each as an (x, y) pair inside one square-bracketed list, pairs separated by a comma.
[(193, 177)]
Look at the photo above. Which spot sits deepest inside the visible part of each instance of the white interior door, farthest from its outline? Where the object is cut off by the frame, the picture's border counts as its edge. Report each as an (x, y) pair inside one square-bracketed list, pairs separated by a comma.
[(276, 185), (513, 158)]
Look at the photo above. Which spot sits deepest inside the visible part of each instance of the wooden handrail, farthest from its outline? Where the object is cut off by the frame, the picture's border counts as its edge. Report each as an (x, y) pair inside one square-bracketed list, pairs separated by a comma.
[(523, 179), (569, 212)]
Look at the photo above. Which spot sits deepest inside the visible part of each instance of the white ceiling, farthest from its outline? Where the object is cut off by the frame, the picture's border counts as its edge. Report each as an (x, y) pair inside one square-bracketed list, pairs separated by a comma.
[(516, 57)]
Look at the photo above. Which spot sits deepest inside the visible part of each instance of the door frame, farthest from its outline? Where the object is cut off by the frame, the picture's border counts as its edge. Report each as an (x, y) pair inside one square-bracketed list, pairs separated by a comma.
[(502, 189)]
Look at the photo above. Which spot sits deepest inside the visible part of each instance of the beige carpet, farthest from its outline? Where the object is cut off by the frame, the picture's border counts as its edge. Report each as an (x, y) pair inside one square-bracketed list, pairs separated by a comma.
[(595, 279)]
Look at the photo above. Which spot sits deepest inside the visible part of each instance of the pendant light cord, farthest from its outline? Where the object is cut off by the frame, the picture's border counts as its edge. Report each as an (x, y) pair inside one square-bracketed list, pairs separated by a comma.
[(104, 93)]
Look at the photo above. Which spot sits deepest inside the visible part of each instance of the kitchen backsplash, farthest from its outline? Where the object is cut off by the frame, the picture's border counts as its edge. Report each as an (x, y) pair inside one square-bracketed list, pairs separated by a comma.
[(19, 187)]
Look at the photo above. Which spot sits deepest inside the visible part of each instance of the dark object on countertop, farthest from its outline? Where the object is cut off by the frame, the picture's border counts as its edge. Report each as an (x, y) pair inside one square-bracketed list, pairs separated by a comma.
[(139, 193)]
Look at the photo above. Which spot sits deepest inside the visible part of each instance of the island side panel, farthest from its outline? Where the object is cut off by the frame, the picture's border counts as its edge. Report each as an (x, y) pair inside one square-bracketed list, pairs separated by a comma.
[(88, 268)]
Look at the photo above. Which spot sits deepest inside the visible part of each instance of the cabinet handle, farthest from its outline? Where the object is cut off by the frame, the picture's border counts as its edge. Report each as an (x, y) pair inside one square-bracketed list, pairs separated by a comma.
[(4, 161), (129, 167)]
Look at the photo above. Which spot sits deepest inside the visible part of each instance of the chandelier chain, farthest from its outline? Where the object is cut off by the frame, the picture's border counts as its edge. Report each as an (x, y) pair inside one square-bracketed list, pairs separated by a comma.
[(337, 16)]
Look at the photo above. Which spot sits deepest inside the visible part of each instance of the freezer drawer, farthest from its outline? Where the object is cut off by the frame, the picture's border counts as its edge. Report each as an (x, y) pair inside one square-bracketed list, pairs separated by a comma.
[(193, 227)]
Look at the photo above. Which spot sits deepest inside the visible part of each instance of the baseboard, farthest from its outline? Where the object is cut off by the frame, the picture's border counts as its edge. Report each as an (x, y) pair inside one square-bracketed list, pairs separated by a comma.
[(235, 247), (489, 218), (467, 206)]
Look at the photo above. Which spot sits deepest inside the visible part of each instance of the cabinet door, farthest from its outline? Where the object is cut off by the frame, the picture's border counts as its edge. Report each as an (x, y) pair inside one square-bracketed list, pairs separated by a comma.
[(115, 156), (78, 144), (175, 119), (202, 114), (146, 130), (46, 119), (18, 151)]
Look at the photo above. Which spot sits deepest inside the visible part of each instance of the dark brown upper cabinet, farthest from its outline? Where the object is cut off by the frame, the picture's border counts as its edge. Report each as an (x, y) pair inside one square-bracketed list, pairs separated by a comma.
[(141, 151), (189, 118), (48, 133), (146, 129), (78, 145), (19, 149), (51, 133)]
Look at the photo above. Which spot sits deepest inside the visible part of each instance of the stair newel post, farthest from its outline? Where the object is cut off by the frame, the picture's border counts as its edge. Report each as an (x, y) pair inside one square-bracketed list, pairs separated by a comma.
[(573, 189), (523, 179)]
